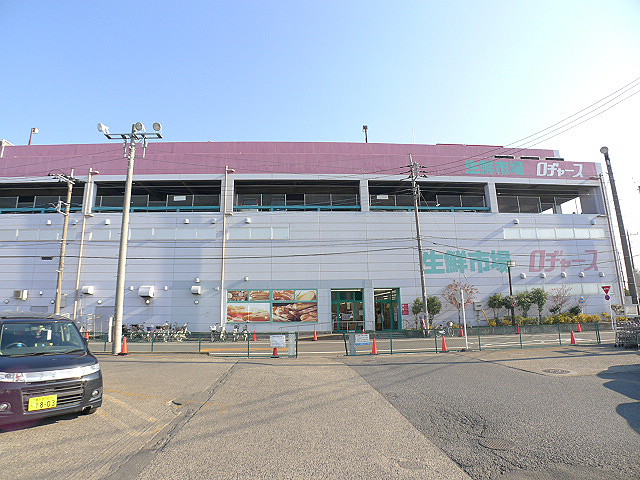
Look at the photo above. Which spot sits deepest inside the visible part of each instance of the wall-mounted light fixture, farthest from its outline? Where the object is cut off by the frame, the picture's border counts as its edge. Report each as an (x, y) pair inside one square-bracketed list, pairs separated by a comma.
[(516, 221), (581, 274), (247, 220), (543, 275), (523, 275), (107, 221), (563, 274), (186, 220)]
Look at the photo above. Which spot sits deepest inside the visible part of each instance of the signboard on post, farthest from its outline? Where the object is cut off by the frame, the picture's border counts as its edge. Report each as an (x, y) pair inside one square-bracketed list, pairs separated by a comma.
[(362, 339), (278, 341)]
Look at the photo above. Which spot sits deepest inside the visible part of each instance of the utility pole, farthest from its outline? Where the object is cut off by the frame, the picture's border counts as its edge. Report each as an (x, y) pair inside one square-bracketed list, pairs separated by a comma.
[(626, 251), (65, 230), (415, 188), (138, 134)]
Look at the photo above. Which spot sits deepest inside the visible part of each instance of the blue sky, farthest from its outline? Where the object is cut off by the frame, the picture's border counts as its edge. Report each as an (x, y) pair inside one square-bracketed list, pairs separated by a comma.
[(453, 71)]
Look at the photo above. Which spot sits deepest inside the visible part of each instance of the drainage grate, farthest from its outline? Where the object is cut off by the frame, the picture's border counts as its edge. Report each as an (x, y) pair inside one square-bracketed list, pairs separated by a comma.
[(557, 371), (496, 444)]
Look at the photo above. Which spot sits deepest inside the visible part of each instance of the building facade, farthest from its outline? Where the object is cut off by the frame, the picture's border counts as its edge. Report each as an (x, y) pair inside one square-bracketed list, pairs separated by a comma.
[(299, 235)]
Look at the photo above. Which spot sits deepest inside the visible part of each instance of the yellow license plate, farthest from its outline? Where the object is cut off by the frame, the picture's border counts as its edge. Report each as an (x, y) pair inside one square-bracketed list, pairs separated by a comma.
[(42, 403)]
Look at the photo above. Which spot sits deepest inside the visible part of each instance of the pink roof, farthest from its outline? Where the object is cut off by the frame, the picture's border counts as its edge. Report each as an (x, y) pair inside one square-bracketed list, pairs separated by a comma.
[(171, 158)]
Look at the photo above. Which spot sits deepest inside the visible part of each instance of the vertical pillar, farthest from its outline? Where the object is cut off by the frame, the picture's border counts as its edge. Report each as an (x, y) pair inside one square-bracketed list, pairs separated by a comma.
[(365, 204), (491, 197)]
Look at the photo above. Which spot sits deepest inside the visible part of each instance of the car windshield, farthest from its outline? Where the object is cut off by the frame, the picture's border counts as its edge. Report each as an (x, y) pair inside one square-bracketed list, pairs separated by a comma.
[(40, 337)]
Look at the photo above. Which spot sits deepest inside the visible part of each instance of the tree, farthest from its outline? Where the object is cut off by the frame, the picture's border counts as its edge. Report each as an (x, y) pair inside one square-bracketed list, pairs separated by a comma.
[(509, 304), (539, 298), (434, 305), (417, 308), (524, 301), (496, 302), (559, 297), (452, 295)]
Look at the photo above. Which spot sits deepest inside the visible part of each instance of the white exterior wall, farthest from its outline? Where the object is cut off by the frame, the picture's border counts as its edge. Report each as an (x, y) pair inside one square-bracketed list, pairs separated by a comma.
[(325, 250)]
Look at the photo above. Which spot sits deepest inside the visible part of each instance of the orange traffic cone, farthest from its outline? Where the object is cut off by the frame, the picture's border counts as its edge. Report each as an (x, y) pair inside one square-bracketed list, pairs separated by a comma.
[(255, 336), (275, 353), (374, 349), (573, 339), (444, 344), (125, 347), (461, 332), (518, 332), (315, 335), (86, 335), (579, 327)]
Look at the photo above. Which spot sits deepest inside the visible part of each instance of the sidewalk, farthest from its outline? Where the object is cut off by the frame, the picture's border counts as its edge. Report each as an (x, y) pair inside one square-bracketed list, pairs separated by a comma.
[(294, 419)]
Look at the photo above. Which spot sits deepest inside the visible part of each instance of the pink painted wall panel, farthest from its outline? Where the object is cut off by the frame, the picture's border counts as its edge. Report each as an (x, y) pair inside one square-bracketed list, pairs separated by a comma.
[(171, 158)]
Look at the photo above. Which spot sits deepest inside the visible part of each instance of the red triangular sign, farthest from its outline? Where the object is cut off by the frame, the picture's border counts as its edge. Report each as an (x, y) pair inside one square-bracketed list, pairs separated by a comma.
[(606, 288)]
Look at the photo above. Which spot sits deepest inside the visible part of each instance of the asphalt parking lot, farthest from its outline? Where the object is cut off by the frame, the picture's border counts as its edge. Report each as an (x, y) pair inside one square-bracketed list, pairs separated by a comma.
[(564, 413)]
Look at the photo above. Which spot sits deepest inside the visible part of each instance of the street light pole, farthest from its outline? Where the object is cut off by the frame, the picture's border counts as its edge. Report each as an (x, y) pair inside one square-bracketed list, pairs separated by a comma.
[(137, 134), (511, 264)]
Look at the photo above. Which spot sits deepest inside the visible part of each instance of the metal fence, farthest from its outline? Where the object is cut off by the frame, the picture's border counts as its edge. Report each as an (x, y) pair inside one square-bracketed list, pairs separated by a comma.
[(254, 345), (482, 338), (386, 342)]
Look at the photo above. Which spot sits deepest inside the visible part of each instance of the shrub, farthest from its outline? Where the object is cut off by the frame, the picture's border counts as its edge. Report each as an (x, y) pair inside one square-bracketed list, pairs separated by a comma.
[(575, 310)]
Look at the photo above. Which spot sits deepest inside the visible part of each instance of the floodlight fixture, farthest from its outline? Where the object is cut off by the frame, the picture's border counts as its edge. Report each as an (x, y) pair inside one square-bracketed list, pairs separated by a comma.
[(103, 128), (157, 126), (604, 150), (34, 131), (139, 127)]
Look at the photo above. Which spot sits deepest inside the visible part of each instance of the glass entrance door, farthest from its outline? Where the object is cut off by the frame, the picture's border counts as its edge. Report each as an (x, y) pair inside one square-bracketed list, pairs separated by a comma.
[(347, 310), (387, 309)]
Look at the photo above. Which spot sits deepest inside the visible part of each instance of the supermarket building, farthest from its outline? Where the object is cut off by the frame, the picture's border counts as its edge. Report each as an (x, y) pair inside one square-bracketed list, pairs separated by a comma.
[(298, 235)]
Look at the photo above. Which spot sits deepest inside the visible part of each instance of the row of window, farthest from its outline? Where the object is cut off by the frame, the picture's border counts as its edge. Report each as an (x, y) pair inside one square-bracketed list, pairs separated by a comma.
[(573, 289), (560, 233), (271, 233)]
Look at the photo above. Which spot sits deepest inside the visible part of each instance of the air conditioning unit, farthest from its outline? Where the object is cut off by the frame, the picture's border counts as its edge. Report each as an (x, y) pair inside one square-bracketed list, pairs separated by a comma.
[(147, 291), (21, 294)]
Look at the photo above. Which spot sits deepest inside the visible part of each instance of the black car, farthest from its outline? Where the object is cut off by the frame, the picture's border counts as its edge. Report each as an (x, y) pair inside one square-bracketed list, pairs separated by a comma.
[(46, 369)]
